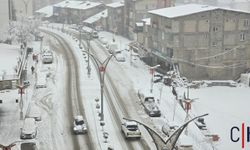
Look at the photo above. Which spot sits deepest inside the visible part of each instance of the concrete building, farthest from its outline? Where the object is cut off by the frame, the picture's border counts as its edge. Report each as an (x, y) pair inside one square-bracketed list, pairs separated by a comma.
[(205, 42), (115, 17), (136, 10), (74, 12)]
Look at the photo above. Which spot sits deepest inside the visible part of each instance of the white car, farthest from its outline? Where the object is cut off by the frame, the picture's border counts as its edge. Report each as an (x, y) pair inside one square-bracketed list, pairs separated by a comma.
[(130, 129), (120, 57), (79, 125), (29, 129), (169, 128)]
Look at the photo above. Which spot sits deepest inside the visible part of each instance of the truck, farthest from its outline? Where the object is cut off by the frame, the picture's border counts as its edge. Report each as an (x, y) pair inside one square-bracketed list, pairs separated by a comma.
[(130, 129), (150, 107)]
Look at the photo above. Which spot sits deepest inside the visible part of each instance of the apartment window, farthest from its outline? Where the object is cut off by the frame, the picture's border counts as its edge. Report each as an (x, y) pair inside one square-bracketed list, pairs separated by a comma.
[(215, 29), (214, 44), (246, 22), (162, 35), (242, 37)]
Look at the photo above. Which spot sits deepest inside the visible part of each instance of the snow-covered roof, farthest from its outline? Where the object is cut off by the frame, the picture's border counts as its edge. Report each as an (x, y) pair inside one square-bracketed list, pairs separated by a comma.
[(116, 4), (92, 19), (184, 10), (139, 24), (77, 4), (48, 11), (8, 59), (147, 21)]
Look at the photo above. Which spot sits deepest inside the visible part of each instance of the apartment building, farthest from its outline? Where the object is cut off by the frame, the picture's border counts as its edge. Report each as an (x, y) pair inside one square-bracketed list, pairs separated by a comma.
[(115, 17), (205, 42), (74, 12), (136, 10)]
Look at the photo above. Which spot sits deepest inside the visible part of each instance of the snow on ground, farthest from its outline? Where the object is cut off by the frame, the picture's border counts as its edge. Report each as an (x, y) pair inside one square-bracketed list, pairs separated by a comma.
[(227, 107), (221, 107)]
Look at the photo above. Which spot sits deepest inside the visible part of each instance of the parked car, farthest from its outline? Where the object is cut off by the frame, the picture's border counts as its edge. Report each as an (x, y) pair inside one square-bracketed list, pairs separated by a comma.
[(200, 123), (29, 129), (130, 129), (79, 125), (185, 143), (120, 57), (95, 34), (169, 128), (26, 83)]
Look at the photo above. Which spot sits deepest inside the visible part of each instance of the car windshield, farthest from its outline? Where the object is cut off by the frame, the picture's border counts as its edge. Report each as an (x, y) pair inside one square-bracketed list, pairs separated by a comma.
[(79, 122), (150, 99), (132, 127)]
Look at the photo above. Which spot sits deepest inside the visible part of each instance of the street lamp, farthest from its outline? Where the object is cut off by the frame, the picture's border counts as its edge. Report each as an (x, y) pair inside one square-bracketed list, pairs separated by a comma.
[(176, 134), (152, 72), (101, 71)]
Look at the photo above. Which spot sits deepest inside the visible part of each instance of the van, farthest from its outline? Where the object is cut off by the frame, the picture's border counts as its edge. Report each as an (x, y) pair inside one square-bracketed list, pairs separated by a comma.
[(29, 129)]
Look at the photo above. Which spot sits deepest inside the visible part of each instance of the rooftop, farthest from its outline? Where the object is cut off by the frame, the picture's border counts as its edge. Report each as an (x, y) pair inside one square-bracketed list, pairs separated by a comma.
[(184, 10), (9, 55), (47, 11), (116, 4), (77, 4), (92, 19)]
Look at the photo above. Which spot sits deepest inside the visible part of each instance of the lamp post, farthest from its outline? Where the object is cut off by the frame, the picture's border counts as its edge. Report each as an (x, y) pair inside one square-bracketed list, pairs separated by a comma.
[(152, 72), (21, 92), (176, 134), (101, 65)]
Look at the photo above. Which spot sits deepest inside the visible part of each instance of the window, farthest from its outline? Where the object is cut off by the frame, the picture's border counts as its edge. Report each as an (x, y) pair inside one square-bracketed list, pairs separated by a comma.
[(214, 44), (242, 37), (215, 29), (162, 35), (246, 22)]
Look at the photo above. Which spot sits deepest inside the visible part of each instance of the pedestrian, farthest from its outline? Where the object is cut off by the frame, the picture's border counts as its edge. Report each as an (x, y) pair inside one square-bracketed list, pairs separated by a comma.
[(32, 69)]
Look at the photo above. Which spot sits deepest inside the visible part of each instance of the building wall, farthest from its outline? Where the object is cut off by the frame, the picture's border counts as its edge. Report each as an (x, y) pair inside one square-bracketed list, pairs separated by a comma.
[(4, 14), (72, 16), (20, 8), (115, 20), (202, 43), (135, 11)]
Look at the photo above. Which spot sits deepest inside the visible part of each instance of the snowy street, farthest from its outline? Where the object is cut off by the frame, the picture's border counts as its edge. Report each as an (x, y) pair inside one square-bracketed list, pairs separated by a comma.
[(125, 75)]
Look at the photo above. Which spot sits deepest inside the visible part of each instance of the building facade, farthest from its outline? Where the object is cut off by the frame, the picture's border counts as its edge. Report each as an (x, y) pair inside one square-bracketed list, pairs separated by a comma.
[(115, 17), (74, 12), (136, 10), (205, 42)]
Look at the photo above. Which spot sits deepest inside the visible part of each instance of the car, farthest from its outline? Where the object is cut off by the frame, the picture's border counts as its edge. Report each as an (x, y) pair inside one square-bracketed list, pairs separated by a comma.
[(120, 57), (130, 129), (29, 129), (28, 146), (150, 107), (95, 34), (26, 83), (79, 125), (200, 123), (169, 128)]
